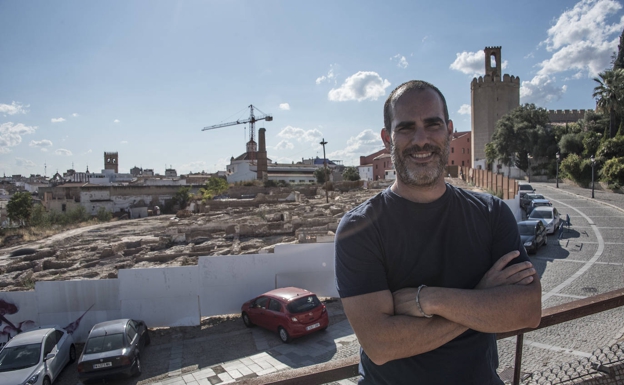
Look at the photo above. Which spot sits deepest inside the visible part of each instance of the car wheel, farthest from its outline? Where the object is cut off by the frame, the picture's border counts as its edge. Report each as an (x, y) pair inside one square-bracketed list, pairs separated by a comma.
[(246, 320), (46, 381), (283, 334), (148, 340), (137, 370), (72, 354)]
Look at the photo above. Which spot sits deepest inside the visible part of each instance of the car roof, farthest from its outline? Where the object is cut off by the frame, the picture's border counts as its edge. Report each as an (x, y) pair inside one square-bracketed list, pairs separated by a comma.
[(30, 337), (109, 327), (540, 200), (288, 293), (544, 208)]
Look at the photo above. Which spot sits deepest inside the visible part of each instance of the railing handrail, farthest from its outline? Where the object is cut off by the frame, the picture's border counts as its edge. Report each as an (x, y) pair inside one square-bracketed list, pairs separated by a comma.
[(348, 367)]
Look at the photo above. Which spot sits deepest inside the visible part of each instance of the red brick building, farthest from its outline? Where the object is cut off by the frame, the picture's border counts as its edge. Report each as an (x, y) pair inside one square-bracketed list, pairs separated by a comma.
[(460, 149), (380, 161)]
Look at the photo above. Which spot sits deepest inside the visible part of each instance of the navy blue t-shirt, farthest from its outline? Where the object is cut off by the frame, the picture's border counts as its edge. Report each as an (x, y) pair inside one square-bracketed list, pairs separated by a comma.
[(389, 243)]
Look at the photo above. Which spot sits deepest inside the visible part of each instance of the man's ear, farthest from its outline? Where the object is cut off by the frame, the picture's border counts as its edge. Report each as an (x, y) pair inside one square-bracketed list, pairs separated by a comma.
[(450, 127), (385, 137)]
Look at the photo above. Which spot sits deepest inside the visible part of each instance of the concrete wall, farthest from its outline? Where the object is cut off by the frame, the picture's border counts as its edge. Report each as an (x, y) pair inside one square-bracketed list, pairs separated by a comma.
[(171, 296)]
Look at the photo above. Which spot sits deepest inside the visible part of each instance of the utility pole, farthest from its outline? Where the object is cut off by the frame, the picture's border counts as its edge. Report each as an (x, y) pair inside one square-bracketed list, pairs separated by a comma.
[(323, 143)]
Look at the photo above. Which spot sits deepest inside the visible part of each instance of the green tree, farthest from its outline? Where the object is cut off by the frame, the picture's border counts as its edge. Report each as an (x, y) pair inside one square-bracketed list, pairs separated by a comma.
[(611, 148), (609, 94), (522, 131), (182, 197), (351, 173), (214, 186), (20, 207), (320, 175), (571, 144), (613, 171)]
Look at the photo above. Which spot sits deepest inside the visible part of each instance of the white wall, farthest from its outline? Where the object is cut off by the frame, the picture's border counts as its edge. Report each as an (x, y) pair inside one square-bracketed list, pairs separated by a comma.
[(514, 205), (175, 296)]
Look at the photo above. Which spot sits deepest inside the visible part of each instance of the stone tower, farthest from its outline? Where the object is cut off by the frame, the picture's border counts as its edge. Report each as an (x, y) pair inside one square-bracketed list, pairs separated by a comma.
[(111, 161), (491, 98)]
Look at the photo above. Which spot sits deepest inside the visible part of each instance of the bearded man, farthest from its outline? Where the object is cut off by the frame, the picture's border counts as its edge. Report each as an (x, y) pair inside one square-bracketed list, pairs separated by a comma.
[(428, 272)]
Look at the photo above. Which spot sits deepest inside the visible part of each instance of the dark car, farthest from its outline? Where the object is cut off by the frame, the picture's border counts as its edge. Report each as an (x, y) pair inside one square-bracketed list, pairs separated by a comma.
[(526, 199), (113, 350), (525, 188), (533, 235), (290, 311)]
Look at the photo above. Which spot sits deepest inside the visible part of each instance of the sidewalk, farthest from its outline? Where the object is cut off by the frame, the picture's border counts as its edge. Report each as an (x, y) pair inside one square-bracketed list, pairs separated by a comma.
[(603, 196)]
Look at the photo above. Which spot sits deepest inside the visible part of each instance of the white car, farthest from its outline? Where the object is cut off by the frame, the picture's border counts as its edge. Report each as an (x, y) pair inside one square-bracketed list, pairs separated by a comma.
[(36, 357), (548, 215)]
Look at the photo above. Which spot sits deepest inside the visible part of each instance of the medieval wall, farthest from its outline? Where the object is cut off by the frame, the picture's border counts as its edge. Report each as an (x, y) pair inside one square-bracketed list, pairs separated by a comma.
[(566, 116)]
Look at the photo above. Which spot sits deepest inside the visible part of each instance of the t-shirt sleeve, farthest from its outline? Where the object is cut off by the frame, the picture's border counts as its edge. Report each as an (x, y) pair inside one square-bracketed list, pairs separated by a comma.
[(506, 235), (358, 257)]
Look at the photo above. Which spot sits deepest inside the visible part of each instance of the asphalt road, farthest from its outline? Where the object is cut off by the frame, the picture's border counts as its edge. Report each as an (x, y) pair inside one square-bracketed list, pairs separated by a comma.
[(587, 260)]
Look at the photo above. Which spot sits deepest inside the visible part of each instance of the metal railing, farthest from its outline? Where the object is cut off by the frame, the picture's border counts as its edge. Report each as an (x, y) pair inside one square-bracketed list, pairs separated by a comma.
[(348, 367)]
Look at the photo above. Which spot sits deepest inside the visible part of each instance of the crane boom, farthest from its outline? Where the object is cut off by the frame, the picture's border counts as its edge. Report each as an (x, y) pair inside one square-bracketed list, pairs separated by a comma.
[(251, 120)]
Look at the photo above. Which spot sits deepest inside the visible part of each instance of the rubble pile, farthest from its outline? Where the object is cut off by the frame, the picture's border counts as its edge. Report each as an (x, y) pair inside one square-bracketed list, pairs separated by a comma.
[(99, 251)]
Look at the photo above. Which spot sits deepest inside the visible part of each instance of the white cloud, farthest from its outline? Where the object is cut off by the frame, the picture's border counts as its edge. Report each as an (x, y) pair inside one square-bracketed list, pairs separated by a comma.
[(360, 86), (87, 152), (284, 106), (57, 120), (13, 108), (582, 38), (116, 121), (425, 38), (472, 63), (364, 143), (124, 142), (541, 90), (41, 144), (63, 152), (75, 115), (464, 109), (284, 145), (11, 135), (21, 162), (331, 75), (300, 134), (401, 61)]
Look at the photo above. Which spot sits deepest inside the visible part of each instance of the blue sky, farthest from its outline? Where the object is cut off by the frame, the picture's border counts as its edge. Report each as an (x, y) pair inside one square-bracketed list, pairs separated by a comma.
[(144, 77)]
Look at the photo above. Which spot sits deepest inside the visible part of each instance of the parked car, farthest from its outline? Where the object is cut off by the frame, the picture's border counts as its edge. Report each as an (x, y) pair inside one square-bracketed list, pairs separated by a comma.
[(290, 311), (533, 235), (537, 203), (525, 188), (36, 357), (548, 215), (113, 350), (527, 198)]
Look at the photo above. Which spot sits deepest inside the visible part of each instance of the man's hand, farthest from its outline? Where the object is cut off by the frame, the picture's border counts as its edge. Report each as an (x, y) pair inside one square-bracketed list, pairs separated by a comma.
[(518, 274), (405, 302)]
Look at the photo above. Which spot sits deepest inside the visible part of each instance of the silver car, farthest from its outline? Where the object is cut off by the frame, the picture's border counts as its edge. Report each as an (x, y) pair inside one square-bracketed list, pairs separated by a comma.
[(548, 215), (36, 357)]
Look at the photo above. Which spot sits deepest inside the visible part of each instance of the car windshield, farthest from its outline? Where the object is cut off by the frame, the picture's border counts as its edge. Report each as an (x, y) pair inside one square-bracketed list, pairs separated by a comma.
[(526, 229), (104, 343), (303, 304), (541, 214), (525, 187), (19, 357)]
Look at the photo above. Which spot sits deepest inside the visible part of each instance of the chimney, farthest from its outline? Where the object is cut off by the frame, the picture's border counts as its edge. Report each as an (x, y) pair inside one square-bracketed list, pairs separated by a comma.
[(262, 155)]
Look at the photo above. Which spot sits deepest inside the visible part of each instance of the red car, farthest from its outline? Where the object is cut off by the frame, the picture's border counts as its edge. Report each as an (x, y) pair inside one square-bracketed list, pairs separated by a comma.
[(290, 311)]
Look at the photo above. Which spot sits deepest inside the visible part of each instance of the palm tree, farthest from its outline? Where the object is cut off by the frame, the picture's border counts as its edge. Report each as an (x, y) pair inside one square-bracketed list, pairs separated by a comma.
[(609, 94)]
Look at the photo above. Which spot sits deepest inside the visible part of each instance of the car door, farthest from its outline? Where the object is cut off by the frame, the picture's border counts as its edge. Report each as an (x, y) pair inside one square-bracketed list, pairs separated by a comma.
[(141, 329), (133, 337), (275, 315), (556, 217), (49, 346), (258, 311), (63, 348)]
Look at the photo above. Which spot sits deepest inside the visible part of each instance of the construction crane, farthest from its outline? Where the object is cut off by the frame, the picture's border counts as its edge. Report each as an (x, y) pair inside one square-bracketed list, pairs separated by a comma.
[(252, 120)]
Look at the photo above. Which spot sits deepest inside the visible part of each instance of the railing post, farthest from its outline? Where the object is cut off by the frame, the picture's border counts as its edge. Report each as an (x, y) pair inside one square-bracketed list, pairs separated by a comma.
[(518, 363)]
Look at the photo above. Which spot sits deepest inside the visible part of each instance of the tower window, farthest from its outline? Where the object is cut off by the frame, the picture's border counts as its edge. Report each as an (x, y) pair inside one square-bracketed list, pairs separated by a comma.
[(493, 60)]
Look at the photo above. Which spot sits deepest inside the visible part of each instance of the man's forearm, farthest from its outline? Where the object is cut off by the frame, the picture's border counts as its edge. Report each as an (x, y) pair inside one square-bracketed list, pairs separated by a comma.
[(386, 337), (493, 310)]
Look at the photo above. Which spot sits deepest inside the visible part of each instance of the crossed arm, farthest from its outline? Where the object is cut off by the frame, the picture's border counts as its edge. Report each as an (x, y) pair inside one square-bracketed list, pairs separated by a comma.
[(390, 326)]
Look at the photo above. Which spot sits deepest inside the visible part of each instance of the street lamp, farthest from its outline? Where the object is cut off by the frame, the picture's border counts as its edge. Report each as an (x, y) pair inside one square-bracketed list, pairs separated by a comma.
[(529, 157), (557, 175), (593, 162)]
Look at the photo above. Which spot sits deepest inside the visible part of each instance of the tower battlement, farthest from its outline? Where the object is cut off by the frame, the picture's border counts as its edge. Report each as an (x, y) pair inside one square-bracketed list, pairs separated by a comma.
[(494, 47), (481, 80)]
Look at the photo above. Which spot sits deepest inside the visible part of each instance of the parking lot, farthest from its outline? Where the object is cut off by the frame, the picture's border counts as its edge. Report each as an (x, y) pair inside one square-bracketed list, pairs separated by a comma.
[(586, 260)]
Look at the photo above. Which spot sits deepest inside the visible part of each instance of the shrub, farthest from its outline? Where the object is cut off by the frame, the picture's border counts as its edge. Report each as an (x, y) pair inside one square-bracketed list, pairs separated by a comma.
[(612, 148), (613, 171), (577, 169), (104, 215), (270, 183)]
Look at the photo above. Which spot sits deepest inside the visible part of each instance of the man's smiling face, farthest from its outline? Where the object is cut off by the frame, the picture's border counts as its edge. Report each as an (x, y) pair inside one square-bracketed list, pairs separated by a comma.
[(419, 138)]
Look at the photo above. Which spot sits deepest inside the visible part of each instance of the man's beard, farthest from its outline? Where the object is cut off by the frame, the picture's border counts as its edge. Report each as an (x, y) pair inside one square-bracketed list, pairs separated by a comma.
[(423, 175)]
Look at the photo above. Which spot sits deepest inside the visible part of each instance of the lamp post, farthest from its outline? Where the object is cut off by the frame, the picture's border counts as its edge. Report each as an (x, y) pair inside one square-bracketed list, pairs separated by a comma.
[(557, 175), (529, 157), (593, 162)]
